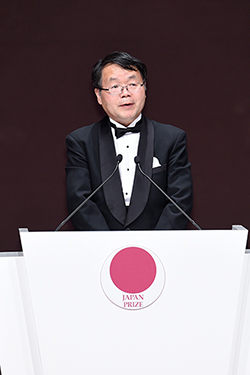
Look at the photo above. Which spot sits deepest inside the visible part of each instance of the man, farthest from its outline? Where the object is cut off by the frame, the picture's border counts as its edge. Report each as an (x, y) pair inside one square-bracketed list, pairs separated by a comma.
[(128, 200)]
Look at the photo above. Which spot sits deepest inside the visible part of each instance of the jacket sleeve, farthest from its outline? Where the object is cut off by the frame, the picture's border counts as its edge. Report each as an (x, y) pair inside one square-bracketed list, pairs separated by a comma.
[(178, 187), (79, 187)]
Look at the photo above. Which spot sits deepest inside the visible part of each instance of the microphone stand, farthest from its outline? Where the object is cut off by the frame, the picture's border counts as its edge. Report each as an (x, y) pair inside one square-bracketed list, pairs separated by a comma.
[(118, 160), (137, 162)]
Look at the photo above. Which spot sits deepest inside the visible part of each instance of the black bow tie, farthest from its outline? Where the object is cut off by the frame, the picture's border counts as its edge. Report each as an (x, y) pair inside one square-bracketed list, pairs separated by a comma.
[(119, 132)]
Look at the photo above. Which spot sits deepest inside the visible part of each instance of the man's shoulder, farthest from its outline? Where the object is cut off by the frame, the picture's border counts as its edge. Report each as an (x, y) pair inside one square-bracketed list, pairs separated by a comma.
[(163, 128), (86, 131), (83, 131)]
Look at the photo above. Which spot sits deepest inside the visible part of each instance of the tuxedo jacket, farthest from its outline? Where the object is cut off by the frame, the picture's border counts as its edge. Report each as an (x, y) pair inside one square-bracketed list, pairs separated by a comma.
[(92, 158)]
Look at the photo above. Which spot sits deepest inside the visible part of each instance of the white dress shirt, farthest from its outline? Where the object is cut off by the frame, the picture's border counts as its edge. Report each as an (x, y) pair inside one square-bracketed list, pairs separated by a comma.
[(127, 146)]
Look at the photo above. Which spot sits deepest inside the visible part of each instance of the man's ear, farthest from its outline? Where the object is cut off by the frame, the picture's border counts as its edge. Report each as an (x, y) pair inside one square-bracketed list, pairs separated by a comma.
[(98, 96)]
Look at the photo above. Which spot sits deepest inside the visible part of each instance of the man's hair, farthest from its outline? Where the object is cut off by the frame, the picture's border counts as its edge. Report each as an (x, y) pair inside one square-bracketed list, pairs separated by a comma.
[(123, 59)]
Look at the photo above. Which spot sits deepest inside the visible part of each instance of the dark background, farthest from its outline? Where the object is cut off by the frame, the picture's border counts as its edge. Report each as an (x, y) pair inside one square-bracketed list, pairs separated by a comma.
[(198, 58)]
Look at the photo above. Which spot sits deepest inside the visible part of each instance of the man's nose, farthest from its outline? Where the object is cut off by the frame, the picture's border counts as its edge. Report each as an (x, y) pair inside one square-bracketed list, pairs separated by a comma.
[(125, 91)]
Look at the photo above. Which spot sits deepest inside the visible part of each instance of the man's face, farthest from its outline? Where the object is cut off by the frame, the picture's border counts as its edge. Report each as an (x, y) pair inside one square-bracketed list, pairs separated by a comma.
[(124, 107)]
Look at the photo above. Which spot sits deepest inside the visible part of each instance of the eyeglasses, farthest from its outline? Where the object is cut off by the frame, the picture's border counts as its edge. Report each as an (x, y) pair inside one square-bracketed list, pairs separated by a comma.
[(118, 89)]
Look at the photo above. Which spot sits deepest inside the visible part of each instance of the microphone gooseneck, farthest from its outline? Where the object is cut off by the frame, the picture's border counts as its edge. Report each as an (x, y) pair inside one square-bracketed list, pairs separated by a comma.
[(137, 162), (118, 160)]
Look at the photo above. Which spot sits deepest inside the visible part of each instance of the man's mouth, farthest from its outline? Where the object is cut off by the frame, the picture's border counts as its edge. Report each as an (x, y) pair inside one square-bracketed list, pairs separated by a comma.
[(126, 105)]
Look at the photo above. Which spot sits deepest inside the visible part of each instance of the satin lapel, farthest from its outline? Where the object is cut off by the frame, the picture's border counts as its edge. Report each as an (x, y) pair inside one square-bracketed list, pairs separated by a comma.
[(112, 189), (142, 186)]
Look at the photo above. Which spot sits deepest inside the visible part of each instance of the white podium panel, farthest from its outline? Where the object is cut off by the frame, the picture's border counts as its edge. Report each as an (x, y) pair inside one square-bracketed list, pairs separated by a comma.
[(190, 329), (243, 329), (18, 343)]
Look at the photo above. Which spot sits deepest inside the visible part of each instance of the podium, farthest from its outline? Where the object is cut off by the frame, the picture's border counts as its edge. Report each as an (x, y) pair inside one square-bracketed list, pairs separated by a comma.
[(78, 313)]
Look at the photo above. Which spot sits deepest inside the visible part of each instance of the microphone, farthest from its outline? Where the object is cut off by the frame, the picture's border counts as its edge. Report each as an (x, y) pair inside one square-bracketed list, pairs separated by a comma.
[(118, 160), (137, 162)]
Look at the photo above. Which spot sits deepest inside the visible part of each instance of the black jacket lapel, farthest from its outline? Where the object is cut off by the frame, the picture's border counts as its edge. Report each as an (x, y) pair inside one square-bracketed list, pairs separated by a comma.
[(112, 189), (142, 186)]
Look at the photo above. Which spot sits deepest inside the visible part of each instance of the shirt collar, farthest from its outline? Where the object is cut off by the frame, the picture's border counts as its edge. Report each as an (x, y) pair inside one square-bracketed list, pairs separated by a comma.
[(130, 125)]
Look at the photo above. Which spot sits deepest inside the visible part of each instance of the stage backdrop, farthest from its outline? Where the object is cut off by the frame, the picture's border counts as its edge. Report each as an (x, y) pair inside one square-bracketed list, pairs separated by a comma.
[(198, 58)]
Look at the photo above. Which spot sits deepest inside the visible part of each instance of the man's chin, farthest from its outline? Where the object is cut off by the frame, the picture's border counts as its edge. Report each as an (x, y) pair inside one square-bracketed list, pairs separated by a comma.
[(126, 120)]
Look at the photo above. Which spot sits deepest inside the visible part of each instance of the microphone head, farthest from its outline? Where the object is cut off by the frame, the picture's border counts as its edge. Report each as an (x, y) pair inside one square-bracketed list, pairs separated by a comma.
[(118, 158), (137, 160)]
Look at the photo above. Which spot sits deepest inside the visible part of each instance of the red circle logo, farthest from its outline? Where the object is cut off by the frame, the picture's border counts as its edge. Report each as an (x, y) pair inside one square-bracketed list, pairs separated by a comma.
[(133, 278), (133, 270)]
